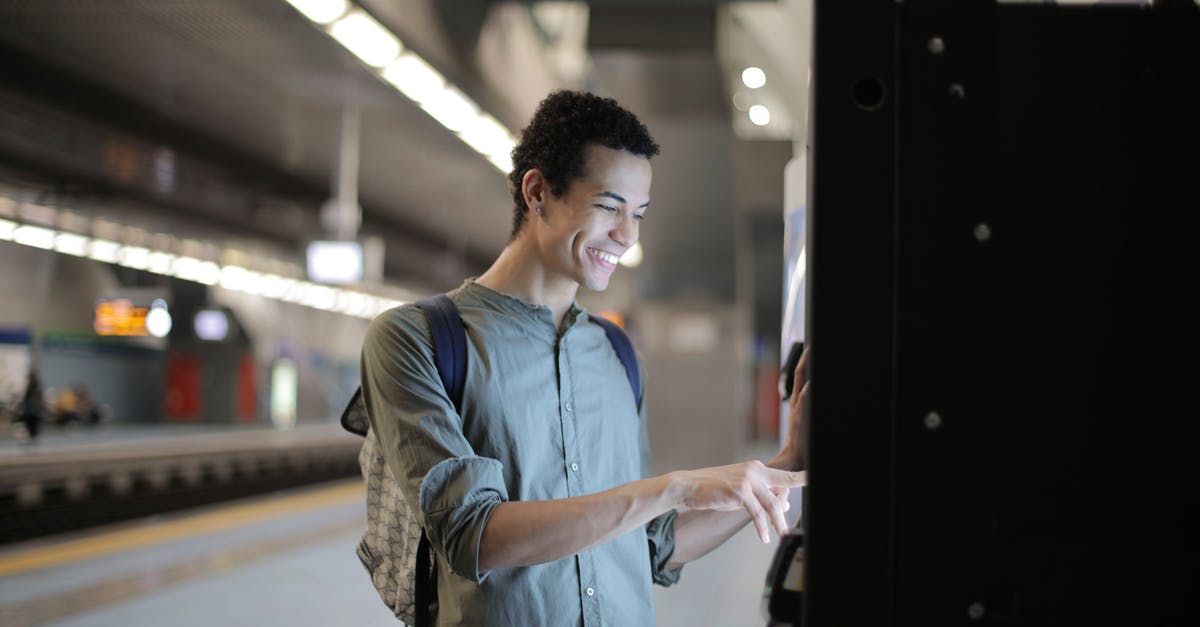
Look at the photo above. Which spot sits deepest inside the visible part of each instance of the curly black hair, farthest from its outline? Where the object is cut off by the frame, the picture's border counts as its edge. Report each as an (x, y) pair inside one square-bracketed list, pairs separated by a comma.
[(555, 141)]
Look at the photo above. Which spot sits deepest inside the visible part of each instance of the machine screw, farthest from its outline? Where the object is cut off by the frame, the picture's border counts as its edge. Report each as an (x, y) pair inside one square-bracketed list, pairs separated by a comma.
[(957, 90), (976, 611), (983, 232), (936, 45), (933, 420)]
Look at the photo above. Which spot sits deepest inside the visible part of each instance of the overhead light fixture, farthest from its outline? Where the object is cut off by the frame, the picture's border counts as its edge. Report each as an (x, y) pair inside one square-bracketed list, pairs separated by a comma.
[(321, 11), (488, 137), (451, 108), (104, 250), (160, 262), (366, 38), (414, 78), (231, 277), (196, 270), (135, 257), (754, 77), (34, 236), (760, 115), (71, 244), (378, 47)]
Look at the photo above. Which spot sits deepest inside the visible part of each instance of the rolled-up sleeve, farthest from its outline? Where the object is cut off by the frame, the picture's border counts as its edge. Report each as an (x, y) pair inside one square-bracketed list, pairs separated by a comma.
[(660, 534), (421, 437), (457, 498)]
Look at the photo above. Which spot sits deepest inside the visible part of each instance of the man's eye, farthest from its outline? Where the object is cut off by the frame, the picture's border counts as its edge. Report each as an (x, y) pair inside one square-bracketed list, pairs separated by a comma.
[(607, 208), (639, 217)]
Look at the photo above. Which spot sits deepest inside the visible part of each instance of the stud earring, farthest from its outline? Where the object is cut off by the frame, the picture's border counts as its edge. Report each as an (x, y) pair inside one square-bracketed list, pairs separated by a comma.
[(537, 209)]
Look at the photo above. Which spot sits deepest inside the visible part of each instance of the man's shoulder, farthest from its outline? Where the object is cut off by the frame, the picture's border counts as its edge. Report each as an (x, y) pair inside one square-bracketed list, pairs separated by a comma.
[(404, 324)]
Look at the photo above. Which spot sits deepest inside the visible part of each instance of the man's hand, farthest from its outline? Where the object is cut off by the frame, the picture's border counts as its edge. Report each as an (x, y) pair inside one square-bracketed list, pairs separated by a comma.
[(791, 456), (751, 486)]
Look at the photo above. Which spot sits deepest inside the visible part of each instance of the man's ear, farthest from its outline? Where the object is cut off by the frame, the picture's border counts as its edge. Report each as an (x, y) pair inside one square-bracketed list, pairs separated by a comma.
[(534, 189)]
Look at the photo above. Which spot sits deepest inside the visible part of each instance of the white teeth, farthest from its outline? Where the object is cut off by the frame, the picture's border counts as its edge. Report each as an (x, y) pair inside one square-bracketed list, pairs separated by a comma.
[(610, 258)]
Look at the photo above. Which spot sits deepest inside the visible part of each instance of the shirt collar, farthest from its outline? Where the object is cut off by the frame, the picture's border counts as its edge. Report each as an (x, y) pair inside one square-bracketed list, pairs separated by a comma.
[(516, 305)]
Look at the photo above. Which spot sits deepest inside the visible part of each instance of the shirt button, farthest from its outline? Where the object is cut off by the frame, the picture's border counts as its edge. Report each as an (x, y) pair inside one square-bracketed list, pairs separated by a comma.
[(567, 406), (590, 591), (575, 467)]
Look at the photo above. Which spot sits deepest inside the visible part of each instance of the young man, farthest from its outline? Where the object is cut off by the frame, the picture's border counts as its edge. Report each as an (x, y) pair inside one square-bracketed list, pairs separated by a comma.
[(536, 499)]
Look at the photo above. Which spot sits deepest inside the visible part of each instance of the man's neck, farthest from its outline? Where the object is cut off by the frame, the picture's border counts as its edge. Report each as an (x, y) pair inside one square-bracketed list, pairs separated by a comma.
[(519, 271)]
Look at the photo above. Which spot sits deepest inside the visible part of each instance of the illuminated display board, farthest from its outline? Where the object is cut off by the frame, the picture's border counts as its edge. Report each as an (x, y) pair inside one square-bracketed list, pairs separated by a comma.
[(120, 317)]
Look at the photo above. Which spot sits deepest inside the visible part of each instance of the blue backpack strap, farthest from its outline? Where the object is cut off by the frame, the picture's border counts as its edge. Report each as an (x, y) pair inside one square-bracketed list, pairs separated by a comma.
[(449, 355), (449, 344), (620, 343)]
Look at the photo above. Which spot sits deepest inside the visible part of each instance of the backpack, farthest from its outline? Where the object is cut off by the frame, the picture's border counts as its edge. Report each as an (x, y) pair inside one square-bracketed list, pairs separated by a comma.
[(394, 548)]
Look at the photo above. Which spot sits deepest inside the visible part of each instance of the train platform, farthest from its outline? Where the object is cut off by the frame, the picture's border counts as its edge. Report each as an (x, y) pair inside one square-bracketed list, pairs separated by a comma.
[(81, 477), (281, 559)]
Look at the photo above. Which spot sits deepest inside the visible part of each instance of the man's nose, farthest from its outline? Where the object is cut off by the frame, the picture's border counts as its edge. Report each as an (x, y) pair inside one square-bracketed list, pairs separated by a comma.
[(625, 232)]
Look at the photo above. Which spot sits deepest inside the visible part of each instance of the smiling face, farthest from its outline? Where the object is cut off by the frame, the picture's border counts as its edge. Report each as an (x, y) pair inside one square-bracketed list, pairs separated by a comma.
[(581, 235)]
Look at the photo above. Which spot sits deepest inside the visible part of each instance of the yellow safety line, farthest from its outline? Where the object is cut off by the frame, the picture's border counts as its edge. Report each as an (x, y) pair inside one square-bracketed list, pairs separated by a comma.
[(190, 526)]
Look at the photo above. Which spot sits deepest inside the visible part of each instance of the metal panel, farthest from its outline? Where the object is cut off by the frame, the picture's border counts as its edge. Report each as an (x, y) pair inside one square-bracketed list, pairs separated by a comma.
[(852, 242), (1044, 332)]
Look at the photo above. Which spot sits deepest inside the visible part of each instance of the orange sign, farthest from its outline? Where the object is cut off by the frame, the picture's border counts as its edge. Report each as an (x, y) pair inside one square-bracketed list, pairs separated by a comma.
[(120, 317)]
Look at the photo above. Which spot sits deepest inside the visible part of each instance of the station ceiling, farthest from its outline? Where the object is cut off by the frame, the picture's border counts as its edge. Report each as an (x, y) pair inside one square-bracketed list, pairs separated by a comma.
[(248, 97)]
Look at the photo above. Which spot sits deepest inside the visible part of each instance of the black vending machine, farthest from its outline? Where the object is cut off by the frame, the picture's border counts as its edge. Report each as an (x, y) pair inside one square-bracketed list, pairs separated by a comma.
[(1002, 223)]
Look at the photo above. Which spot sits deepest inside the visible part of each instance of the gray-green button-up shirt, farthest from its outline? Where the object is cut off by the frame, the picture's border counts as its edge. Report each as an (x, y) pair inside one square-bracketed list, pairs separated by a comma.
[(545, 415)]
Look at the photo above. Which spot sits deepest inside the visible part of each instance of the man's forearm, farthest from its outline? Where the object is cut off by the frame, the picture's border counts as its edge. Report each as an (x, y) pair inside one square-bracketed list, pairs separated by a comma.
[(522, 533), (698, 532)]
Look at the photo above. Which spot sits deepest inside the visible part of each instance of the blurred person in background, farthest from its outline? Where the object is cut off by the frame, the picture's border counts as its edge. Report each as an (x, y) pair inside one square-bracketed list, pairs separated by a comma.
[(66, 407), (33, 407), (537, 500), (86, 407)]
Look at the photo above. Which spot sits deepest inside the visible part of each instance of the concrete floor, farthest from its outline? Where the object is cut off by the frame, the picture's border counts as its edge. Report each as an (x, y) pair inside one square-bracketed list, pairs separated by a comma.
[(284, 559)]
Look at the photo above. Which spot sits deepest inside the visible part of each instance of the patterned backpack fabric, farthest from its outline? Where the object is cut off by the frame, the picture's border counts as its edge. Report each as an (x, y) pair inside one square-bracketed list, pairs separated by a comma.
[(394, 548)]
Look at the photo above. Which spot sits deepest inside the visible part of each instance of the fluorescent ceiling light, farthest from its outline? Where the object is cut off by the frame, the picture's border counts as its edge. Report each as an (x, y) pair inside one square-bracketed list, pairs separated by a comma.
[(502, 162), (321, 11), (198, 270), (754, 77), (71, 244), (160, 262), (414, 78), (34, 236), (454, 110), (135, 257), (487, 136), (272, 286), (378, 47), (366, 38), (238, 279), (105, 250), (295, 290), (186, 267), (320, 297), (760, 115)]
